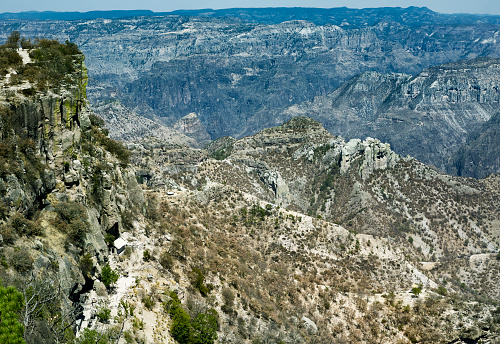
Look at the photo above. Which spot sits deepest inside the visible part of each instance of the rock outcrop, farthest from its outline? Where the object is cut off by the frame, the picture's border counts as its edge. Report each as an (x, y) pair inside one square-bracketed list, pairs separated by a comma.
[(267, 155), (375, 155), (191, 126)]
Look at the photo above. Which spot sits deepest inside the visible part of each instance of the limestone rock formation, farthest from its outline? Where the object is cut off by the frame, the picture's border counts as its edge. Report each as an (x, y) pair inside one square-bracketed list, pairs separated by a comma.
[(375, 156)]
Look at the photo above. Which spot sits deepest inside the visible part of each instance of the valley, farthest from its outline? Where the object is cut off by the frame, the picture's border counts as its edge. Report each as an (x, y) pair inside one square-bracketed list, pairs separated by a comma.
[(252, 179)]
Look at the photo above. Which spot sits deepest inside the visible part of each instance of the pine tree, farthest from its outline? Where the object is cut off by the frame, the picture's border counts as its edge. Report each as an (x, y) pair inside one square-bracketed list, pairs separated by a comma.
[(11, 302)]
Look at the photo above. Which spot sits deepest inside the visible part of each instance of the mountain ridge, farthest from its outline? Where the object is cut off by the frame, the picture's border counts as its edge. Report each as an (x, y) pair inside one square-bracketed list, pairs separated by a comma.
[(274, 15)]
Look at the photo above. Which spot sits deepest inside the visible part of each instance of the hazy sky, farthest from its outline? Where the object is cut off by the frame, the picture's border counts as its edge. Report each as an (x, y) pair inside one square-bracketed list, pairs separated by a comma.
[(444, 6)]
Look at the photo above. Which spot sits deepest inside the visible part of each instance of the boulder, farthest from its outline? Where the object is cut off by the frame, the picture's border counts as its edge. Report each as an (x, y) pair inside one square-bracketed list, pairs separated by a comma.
[(100, 289), (310, 325)]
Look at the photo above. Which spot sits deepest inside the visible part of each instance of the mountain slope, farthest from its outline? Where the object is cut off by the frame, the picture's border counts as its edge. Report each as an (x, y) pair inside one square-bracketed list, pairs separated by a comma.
[(306, 238)]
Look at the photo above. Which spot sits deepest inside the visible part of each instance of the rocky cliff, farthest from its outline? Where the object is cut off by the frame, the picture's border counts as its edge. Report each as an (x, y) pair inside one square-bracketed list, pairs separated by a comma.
[(479, 156), (64, 189)]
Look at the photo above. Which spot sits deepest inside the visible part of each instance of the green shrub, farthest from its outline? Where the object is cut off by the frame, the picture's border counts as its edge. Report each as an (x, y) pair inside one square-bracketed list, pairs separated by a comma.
[(128, 217), (109, 276), (222, 153), (148, 302), (96, 121), (72, 220), (228, 297), (104, 315), (201, 330), (13, 40), (77, 232), (146, 256), (205, 327), (166, 260), (109, 239), (442, 290), (26, 43), (55, 62), (198, 280), (9, 57), (117, 149), (11, 302), (70, 211), (114, 147), (92, 337), (417, 290), (181, 322), (127, 252)]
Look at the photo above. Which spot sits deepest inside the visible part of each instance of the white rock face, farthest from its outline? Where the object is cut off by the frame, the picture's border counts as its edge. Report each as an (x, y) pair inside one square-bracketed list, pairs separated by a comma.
[(310, 325), (277, 184), (376, 156)]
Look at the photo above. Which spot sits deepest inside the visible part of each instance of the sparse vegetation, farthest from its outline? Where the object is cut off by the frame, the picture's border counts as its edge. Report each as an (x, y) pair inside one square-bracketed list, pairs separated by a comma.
[(72, 220)]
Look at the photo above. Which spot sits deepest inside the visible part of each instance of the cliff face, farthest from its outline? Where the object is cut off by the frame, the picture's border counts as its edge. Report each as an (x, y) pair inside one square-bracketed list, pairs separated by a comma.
[(125, 125), (63, 189), (480, 155), (427, 116)]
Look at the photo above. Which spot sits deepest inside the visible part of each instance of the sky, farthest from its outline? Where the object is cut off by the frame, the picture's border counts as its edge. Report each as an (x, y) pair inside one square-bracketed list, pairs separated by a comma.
[(443, 6)]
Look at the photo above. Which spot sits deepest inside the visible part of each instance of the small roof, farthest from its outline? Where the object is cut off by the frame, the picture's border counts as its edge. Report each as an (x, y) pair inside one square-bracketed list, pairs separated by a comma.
[(119, 243)]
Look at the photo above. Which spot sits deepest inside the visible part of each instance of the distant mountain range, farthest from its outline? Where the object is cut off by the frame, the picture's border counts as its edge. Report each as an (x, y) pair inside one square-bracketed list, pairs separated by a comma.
[(320, 16)]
